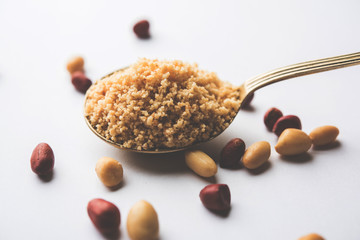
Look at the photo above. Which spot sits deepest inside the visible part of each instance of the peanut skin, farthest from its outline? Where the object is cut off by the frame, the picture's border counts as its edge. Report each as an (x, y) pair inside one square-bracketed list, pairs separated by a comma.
[(42, 159), (232, 153), (284, 122), (271, 116), (80, 81), (141, 29), (104, 215), (216, 197)]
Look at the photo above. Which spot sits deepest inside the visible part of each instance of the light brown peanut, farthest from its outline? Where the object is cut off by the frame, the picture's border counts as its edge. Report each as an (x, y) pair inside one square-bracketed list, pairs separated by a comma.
[(312, 236), (200, 163), (109, 171), (142, 222), (75, 64), (324, 135), (292, 142), (256, 155)]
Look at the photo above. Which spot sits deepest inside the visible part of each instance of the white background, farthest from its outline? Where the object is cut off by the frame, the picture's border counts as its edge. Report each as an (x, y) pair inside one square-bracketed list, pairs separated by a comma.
[(237, 40)]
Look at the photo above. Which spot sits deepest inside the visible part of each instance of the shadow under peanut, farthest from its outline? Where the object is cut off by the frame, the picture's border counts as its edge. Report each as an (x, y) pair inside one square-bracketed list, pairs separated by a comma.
[(162, 163), (334, 145), (207, 180), (221, 214), (213, 147), (298, 159), (113, 235), (48, 177), (172, 163), (260, 170), (249, 108), (117, 187), (236, 167)]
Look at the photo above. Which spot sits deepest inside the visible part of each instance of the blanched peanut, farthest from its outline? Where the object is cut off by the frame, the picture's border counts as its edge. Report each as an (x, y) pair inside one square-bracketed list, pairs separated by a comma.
[(256, 155), (312, 236), (324, 135), (75, 64), (142, 222), (292, 142), (200, 163), (109, 171)]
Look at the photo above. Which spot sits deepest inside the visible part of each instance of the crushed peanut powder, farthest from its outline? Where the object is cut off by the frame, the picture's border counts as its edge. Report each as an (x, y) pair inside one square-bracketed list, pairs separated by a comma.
[(156, 104)]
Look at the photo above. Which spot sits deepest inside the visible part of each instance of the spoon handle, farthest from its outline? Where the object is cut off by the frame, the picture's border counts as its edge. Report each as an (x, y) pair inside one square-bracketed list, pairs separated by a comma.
[(301, 69)]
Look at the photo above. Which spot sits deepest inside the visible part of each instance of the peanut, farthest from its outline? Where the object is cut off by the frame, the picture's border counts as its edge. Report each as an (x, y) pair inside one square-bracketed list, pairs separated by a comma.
[(104, 215), (284, 122), (75, 64), (142, 222), (80, 81), (232, 153), (271, 116), (216, 197), (292, 142), (109, 171), (200, 163), (324, 135), (312, 236), (141, 29), (256, 155), (42, 159)]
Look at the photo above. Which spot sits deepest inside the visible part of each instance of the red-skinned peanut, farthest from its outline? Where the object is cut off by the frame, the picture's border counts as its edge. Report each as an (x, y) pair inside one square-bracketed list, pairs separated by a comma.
[(42, 159), (288, 121), (216, 197), (232, 153), (80, 81), (104, 215), (271, 116), (141, 29)]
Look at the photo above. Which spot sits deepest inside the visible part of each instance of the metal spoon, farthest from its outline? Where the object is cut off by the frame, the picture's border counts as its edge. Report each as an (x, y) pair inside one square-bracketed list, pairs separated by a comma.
[(253, 84)]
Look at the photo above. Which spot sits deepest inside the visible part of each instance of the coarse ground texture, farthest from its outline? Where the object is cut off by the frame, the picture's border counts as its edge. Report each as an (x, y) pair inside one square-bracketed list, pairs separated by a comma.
[(156, 104)]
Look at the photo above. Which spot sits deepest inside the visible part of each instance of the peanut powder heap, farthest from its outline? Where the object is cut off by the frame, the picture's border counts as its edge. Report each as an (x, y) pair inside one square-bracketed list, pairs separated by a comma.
[(156, 104)]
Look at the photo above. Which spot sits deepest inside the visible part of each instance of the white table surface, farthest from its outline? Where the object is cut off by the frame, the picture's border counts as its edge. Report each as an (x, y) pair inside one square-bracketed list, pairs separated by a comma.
[(237, 40)]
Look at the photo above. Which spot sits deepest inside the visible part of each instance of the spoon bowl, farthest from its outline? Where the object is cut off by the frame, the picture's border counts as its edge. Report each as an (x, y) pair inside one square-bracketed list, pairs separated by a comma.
[(253, 84)]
